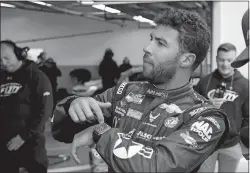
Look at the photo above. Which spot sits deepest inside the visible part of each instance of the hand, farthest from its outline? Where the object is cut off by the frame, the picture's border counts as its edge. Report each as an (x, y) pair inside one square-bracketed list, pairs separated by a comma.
[(217, 102), (82, 139), (15, 143), (87, 109)]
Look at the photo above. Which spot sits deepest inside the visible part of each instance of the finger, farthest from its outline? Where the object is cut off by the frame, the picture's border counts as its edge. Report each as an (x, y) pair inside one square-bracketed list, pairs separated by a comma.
[(16, 147), (11, 147), (73, 114), (104, 105), (80, 113), (9, 143), (74, 155), (87, 110), (97, 110)]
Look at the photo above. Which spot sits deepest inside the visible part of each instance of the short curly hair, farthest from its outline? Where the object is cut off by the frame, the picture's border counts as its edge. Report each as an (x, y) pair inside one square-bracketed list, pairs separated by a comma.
[(194, 36)]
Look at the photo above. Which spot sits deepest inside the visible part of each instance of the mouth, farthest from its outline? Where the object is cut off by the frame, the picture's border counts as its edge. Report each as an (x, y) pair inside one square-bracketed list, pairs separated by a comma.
[(146, 59)]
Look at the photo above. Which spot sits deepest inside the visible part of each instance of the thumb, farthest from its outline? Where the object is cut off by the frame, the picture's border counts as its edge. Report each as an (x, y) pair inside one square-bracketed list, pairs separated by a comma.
[(104, 105), (74, 154)]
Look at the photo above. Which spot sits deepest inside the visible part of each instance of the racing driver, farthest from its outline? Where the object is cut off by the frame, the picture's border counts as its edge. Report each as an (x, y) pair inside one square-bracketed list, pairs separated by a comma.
[(161, 125)]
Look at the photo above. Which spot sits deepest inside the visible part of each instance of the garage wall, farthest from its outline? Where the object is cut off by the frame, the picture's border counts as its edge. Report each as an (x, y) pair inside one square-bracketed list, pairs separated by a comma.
[(78, 51)]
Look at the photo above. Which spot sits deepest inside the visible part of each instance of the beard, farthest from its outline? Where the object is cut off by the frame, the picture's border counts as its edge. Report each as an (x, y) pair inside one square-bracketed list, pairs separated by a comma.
[(162, 73)]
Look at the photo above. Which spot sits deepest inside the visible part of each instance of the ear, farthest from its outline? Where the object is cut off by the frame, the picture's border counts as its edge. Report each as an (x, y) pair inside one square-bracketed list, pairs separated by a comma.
[(187, 60)]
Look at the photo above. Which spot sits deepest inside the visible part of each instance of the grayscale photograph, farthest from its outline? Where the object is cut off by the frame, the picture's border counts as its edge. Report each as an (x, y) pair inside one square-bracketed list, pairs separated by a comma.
[(124, 86)]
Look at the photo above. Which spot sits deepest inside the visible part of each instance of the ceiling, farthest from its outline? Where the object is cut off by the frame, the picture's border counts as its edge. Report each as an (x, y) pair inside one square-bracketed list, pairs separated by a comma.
[(128, 9)]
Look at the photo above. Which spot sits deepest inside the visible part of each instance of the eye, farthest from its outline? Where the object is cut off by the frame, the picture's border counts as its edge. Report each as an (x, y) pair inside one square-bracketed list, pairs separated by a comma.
[(160, 43)]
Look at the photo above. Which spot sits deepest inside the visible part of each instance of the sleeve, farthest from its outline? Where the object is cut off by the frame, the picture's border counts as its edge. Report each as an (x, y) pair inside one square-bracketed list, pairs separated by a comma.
[(41, 106), (182, 151), (63, 128)]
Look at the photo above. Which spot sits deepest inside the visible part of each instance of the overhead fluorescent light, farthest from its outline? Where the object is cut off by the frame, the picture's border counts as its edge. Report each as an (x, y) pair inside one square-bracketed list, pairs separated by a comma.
[(40, 3), (87, 2), (105, 8), (198, 4), (144, 20), (7, 5)]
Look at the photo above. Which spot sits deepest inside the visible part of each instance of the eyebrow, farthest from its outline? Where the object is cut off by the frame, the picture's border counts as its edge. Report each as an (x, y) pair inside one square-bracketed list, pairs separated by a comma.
[(159, 38)]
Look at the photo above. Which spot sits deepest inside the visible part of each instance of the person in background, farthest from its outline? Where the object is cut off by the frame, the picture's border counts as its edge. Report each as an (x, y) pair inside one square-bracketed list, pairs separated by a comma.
[(240, 61), (26, 103), (235, 102), (49, 67), (125, 65), (161, 125), (79, 77), (108, 70)]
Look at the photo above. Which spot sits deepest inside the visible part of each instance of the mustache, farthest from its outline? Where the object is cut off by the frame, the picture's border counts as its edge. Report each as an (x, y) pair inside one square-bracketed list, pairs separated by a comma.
[(146, 58)]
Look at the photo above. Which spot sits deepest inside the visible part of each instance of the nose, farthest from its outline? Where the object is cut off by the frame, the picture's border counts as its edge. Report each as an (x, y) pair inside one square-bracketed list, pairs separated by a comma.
[(148, 48), (226, 63), (3, 62)]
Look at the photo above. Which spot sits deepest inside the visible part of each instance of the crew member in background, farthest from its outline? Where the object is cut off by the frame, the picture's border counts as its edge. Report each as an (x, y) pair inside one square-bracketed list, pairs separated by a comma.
[(240, 61), (125, 65), (235, 103), (80, 78), (26, 102), (108, 70), (49, 67)]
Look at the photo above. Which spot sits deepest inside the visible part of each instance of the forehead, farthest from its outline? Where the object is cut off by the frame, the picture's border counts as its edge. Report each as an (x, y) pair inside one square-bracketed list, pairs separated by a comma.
[(227, 55), (167, 33), (6, 49)]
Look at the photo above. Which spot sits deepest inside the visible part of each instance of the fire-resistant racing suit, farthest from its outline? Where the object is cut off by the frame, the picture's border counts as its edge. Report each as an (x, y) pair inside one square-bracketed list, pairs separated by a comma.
[(153, 130)]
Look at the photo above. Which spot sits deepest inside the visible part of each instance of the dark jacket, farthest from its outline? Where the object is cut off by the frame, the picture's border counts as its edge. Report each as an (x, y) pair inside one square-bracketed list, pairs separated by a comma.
[(153, 130), (26, 102), (109, 71), (237, 96)]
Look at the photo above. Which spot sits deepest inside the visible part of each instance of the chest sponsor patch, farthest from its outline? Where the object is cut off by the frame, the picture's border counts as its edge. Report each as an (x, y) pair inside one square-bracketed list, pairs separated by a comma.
[(9, 89), (134, 114), (149, 124), (134, 98), (123, 150), (144, 135), (153, 117), (203, 129), (120, 110), (172, 108), (171, 122)]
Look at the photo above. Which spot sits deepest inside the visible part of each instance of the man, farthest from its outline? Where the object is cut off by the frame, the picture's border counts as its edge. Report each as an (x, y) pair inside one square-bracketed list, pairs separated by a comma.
[(125, 65), (26, 102), (108, 70), (49, 67), (157, 126), (235, 103), (240, 61)]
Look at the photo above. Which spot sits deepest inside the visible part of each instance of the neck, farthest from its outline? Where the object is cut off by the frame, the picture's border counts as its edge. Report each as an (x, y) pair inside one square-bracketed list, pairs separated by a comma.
[(19, 65), (228, 75), (178, 81)]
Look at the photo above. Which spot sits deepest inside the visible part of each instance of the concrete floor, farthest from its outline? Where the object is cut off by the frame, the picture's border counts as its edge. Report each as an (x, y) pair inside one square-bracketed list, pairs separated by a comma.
[(54, 148)]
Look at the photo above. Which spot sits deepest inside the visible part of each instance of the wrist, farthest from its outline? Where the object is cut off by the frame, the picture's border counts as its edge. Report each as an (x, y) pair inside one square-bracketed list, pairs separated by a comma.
[(99, 130)]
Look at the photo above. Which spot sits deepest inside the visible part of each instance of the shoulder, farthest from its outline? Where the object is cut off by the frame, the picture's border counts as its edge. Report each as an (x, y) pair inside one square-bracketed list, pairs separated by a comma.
[(206, 113), (205, 78)]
